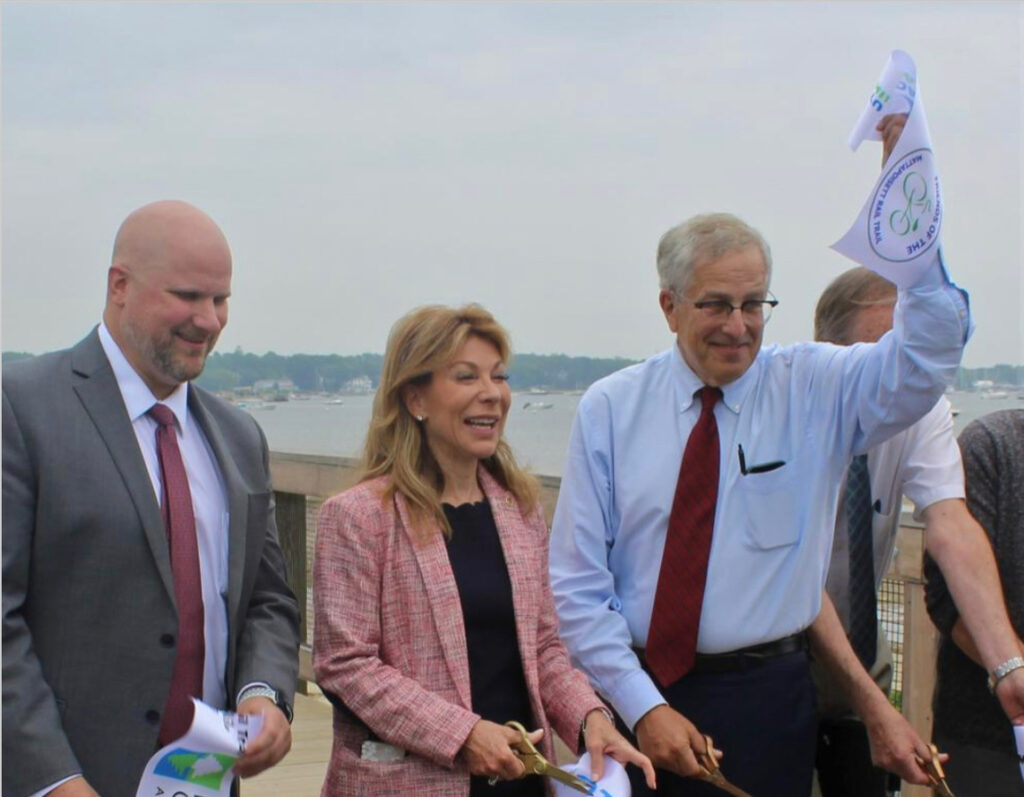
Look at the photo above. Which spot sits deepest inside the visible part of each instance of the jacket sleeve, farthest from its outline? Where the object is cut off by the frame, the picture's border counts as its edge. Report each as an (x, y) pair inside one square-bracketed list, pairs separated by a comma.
[(268, 645), (347, 578), (34, 744)]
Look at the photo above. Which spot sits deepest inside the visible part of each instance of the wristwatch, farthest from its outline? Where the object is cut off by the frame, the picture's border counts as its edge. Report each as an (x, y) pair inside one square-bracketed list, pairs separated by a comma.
[(1004, 669), (270, 694)]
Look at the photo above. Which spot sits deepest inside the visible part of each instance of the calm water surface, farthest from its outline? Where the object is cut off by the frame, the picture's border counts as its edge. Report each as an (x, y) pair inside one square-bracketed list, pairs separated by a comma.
[(538, 436)]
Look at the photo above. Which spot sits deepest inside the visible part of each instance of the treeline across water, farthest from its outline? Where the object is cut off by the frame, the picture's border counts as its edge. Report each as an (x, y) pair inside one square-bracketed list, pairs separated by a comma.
[(339, 372)]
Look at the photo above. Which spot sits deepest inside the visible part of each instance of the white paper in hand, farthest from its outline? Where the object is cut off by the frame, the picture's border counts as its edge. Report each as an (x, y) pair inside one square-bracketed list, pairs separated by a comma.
[(614, 782), (898, 227), (200, 763)]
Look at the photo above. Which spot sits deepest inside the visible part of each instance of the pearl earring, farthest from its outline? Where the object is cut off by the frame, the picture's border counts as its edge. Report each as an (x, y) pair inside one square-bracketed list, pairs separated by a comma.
[(419, 418)]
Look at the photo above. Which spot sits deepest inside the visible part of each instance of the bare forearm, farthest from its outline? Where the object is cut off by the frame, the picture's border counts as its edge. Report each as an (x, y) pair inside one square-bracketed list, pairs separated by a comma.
[(962, 551), (830, 646)]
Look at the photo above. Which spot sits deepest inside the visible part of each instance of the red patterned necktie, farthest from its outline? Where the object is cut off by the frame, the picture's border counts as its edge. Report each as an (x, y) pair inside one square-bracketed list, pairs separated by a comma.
[(179, 520), (672, 637)]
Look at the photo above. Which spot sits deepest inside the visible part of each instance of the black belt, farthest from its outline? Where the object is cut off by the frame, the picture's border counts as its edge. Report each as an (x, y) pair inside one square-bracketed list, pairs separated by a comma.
[(744, 658)]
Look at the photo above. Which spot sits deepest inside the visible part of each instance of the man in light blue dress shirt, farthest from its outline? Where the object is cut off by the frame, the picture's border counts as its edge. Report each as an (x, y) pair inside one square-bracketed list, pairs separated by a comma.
[(809, 406)]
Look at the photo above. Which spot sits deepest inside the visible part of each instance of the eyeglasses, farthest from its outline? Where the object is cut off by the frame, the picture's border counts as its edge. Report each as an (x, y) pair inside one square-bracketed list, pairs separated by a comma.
[(720, 309)]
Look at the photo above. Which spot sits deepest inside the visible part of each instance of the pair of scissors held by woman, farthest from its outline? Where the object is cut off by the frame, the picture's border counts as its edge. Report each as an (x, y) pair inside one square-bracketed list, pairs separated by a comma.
[(534, 763)]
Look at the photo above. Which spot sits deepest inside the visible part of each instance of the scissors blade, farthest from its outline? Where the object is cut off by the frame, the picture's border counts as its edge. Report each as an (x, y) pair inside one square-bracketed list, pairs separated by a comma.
[(568, 779), (717, 779)]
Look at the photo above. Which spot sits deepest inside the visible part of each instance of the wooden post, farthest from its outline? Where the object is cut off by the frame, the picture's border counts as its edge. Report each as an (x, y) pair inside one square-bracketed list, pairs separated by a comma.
[(920, 640), (291, 530)]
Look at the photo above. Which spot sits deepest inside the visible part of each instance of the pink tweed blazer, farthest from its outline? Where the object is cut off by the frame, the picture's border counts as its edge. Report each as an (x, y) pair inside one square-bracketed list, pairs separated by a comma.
[(391, 644)]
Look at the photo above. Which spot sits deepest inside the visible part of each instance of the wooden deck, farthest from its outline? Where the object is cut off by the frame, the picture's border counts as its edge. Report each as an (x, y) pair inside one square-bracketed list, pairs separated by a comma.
[(302, 771)]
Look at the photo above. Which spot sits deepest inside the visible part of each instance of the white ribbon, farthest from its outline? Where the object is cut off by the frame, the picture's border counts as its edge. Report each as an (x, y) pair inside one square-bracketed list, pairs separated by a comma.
[(614, 782)]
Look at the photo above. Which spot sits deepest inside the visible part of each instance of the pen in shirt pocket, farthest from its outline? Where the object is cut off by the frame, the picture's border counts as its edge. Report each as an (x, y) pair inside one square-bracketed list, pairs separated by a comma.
[(764, 467)]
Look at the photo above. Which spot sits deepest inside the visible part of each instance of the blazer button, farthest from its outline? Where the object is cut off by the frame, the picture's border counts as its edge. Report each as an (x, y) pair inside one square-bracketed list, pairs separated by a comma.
[(153, 717), (167, 640)]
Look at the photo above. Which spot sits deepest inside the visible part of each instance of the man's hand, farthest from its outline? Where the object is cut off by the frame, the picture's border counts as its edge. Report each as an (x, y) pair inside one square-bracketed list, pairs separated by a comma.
[(891, 128), (602, 739), (271, 744), (671, 741), (488, 750), (76, 787), (1010, 694), (895, 745)]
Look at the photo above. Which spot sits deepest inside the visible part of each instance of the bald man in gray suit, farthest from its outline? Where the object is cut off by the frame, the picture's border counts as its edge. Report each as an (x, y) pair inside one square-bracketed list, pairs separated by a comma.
[(90, 614)]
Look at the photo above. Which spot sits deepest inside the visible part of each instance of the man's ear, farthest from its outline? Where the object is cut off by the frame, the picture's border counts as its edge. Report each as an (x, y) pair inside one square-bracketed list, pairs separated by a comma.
[(667, 300), (117, 284)]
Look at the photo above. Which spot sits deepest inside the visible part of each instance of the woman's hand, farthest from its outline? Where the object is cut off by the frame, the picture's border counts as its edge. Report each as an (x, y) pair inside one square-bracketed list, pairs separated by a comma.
[(489, 751), (601, 739)]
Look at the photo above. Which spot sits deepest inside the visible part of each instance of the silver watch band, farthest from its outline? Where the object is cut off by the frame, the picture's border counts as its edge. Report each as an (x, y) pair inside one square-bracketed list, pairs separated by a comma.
[(1004, 669)]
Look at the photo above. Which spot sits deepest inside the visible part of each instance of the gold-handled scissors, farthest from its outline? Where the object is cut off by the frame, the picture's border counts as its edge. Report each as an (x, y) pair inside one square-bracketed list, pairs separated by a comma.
[(537, 764), (933, 769), (712, 773)]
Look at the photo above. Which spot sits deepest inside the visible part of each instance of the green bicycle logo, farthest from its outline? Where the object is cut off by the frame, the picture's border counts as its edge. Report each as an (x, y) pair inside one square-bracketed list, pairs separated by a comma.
[(905, 213), (919, 206)]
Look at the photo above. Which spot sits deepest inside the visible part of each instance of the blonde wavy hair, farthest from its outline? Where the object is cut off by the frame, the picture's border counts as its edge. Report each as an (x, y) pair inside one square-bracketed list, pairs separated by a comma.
[(419, 344)]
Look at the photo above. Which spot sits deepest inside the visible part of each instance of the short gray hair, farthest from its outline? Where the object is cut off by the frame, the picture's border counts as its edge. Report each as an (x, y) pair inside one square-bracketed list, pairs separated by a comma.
[(705, 238), (844, 298)]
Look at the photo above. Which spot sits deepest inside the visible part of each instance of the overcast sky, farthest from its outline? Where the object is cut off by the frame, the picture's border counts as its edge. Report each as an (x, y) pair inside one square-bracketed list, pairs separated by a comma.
[(365, 158)]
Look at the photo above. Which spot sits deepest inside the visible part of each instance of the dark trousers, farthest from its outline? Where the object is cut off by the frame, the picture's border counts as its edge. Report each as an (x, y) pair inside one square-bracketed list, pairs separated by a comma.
[(763, 718), (844, 761)]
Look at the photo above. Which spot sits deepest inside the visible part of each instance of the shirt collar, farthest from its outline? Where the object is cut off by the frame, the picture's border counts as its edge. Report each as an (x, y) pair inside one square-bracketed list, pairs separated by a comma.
[(734, 394), (138, 398)]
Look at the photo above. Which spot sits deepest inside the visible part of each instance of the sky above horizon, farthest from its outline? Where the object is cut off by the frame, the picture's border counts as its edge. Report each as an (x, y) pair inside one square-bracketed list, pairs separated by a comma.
[(366, 158)]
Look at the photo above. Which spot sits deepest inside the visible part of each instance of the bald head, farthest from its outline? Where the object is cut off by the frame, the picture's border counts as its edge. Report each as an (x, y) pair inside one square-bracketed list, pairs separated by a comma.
[(152, 235), (167, 291)]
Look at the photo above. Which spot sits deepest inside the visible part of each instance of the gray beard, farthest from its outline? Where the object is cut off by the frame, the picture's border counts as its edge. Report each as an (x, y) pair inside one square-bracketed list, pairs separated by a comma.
[(161, 355)]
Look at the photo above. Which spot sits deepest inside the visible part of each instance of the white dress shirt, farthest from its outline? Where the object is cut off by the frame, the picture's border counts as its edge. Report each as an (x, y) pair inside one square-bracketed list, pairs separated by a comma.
[(923, 463), (810, 405), (209, 503)]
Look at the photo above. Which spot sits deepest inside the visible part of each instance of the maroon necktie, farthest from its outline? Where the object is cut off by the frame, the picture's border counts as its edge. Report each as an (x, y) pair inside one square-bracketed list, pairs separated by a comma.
[(672, 637), (187, 681)]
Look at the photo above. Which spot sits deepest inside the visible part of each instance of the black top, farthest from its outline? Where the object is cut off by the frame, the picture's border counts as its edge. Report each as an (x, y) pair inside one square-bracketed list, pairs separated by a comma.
[(497, 684)]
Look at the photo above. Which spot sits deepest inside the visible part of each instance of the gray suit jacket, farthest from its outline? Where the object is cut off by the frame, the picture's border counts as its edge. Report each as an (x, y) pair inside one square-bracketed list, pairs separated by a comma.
[(89, 619)]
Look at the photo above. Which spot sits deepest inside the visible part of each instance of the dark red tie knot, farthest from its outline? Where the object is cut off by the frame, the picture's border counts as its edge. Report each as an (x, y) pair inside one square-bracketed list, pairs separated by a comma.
[(709, 397), (162, 414)]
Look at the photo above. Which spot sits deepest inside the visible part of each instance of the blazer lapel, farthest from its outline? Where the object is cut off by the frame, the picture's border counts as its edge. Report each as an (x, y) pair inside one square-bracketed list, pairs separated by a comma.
[(237, 499), (97, 389), (443, 597)]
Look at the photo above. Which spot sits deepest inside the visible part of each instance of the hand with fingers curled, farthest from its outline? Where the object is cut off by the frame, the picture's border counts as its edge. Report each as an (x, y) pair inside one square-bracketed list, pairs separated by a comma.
[(600, 738), (671, 741), (891, 128), (895, 745), (490, 751), (271, 744)]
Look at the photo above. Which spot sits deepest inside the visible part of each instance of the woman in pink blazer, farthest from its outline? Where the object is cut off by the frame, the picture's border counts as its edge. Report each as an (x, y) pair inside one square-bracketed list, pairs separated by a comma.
[(434, 617)]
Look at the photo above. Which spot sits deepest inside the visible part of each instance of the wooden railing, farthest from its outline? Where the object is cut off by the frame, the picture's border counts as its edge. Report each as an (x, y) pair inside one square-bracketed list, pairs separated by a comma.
[(303, 481)]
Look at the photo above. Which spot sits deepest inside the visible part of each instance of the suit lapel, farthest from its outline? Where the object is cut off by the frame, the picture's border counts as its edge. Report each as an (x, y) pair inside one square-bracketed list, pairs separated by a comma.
[(443, 597), (97, 389), (237, 499)]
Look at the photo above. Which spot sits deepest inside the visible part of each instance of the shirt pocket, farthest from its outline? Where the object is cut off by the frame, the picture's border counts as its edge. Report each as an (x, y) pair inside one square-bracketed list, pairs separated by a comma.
[(770, 505)]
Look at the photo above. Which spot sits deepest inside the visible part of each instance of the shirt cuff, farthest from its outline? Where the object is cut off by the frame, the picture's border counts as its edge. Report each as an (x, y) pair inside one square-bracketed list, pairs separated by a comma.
[(634, 696)]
